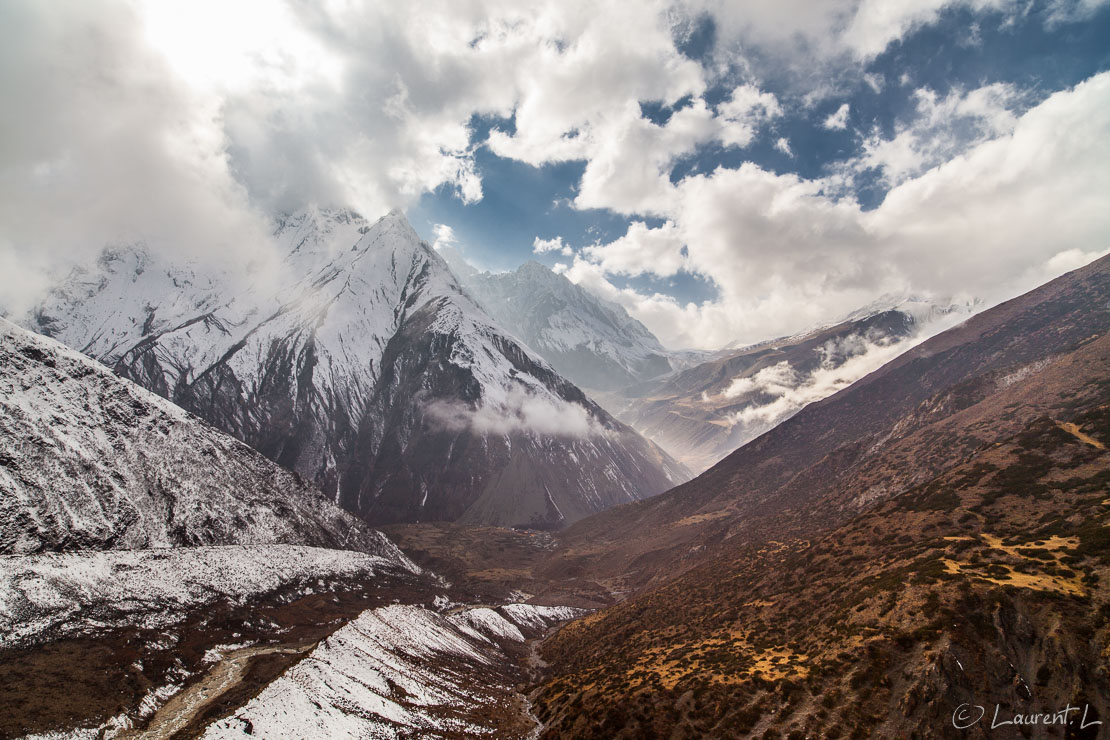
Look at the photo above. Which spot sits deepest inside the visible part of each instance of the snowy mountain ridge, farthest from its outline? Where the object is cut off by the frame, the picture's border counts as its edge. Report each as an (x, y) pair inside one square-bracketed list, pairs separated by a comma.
[(55, 595), (401, 671), (591, 341), (363, 364)]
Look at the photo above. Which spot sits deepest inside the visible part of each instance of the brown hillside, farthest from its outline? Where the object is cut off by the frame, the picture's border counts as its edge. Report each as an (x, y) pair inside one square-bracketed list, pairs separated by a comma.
[(1043, 354), (936, 535), (987, 585)]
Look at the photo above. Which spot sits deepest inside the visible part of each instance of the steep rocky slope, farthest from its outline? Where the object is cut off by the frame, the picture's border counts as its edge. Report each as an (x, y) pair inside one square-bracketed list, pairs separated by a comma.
[(51, 596), (89, 460), (403, 671), (977, 597), (362, 364)]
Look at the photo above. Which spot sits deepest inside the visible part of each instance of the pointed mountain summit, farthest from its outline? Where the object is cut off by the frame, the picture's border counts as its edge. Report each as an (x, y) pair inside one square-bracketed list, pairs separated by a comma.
[(361, 363), (591, 341)]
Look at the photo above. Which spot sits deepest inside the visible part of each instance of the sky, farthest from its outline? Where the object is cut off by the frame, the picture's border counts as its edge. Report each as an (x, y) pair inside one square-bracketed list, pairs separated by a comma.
[(728, 172)]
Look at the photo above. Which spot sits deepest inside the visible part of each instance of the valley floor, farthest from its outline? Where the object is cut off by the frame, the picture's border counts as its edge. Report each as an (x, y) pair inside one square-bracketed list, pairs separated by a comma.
[(343, 647)]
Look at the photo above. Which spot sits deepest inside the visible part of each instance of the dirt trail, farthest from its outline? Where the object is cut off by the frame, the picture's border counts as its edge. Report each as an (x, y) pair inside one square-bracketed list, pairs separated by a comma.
[(179, 711)]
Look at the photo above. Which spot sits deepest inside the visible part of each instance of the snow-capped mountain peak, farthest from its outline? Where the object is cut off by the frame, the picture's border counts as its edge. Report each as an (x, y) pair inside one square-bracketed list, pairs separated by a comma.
[(592, 341), (361, 363)]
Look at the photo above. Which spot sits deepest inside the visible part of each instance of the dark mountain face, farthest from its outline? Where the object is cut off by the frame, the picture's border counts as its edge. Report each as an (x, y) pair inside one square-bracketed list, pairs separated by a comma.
[(932, 537), (368, 370), (531, 483)]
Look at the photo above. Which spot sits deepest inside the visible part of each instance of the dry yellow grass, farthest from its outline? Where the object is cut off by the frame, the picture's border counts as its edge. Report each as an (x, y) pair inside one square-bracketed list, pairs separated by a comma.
[(583, 622), (1076, 432), (1035, 581), (1052, 543), (699, 518), (772, 663)]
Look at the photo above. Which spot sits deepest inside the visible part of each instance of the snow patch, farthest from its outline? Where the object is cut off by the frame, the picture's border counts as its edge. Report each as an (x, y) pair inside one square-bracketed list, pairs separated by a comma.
[(395, 670), (64, 593)]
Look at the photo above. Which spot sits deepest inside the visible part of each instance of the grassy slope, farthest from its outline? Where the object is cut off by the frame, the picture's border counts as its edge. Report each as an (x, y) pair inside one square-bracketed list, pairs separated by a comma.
[(989, 584)]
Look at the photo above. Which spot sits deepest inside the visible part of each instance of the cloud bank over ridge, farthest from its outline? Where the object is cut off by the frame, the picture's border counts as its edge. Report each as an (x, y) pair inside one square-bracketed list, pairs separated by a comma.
[(187, 125)]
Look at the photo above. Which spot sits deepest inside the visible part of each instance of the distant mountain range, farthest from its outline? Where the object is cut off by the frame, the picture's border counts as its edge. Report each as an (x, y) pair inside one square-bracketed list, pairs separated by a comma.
[(705, 411), (366, 367), (697, 405)]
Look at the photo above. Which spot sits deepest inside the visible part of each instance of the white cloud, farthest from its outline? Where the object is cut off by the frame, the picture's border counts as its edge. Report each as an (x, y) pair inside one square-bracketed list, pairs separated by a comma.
[(941, 129), (1024, 202), (1012, 203), (827, 45), (629, 158), (100, 143), (839, 119), (783, 145), (745, 110), (445, 236), (877, 23), (641, 250), (187, 124), (543, 246), (775, 380), (1071, 11), (184, 124), (517, 410), (791, 393), (589, 66)]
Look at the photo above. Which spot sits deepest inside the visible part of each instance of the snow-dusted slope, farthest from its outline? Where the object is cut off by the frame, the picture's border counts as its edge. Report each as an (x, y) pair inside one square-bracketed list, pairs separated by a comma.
[(594, 343), (59, 594), (399, 671), (362, 364), (89, 460)]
